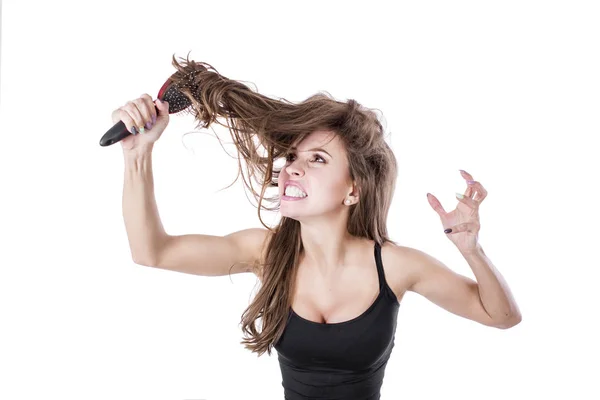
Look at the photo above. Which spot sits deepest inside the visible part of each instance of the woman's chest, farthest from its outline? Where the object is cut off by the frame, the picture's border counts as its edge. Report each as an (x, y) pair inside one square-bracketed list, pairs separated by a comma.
[(348, 292)]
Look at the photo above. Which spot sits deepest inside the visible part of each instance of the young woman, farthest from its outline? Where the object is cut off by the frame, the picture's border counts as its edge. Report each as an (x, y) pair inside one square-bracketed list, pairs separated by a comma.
[(331, 278)]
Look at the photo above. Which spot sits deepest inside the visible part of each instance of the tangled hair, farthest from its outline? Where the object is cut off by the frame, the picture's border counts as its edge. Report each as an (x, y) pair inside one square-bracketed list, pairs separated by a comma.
[(255, 120)]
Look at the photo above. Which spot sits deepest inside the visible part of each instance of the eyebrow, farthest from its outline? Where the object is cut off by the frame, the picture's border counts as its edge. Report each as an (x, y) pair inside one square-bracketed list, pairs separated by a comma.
[(315, 149)]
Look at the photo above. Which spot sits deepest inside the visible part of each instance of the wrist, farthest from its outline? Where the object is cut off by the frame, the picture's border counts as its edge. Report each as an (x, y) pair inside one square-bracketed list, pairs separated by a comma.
[(143, 149), (477, 250)]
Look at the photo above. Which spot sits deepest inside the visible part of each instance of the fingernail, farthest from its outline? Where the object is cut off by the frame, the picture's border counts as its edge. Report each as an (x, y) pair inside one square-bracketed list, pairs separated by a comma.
[(153, 119), (133, 130), (448, 230), (459, 195), (142, 129), (148, 125), (470, 182)]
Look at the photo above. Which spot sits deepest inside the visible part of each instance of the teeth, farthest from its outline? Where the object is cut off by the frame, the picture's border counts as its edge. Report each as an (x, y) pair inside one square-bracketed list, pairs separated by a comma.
[(293, 191)]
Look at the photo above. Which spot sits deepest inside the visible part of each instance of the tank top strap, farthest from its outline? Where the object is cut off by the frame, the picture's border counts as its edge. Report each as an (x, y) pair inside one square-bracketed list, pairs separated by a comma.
[(379, 264)]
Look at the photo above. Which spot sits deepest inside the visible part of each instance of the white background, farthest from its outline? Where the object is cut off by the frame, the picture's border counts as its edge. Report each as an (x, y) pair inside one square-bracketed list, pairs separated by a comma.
[(508, 91)]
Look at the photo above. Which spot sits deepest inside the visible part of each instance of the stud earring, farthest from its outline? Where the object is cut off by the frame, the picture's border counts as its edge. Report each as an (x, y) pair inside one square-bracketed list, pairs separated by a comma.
[(348, 201)]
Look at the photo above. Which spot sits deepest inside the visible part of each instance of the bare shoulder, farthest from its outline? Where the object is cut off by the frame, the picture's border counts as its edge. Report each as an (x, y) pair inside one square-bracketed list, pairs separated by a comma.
[(398, 266)]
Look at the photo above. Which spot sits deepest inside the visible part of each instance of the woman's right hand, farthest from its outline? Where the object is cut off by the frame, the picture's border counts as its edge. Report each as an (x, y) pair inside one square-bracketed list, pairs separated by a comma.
[(140, 113)]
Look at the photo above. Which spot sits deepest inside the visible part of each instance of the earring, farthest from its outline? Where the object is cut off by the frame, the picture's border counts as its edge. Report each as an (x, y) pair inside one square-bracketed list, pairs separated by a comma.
[(348, 201)]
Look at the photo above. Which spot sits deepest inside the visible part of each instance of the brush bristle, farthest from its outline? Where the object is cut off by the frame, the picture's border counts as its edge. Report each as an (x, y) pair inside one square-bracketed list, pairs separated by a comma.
[(177, 100)]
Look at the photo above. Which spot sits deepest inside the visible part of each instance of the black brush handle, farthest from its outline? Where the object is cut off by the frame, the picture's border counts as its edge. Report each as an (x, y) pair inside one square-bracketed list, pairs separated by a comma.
[(117, 133)]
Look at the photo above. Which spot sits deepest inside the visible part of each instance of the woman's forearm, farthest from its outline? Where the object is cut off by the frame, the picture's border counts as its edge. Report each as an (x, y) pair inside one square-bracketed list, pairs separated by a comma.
[(494, 292), (142, 221)]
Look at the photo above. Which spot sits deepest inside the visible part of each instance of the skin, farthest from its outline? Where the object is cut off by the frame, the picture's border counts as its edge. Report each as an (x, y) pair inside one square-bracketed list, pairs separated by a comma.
[(337, 278), (323, 215)]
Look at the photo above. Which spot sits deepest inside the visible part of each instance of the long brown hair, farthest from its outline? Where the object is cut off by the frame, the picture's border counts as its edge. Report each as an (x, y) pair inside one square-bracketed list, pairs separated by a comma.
[(256, 121)]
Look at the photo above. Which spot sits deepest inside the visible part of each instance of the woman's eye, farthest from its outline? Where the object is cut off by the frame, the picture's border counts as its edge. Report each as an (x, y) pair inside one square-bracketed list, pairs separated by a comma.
[(316, 157)]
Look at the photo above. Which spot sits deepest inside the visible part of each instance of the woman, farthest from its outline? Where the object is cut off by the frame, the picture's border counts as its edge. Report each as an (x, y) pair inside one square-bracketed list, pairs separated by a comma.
[(331, 278)]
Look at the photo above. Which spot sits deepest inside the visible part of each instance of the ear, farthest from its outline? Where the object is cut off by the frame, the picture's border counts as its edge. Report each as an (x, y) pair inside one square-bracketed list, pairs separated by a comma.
[(355, 191)]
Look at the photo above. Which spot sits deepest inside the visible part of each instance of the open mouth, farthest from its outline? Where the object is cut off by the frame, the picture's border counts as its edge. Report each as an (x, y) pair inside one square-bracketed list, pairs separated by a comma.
[(294, 192), (296, 196)]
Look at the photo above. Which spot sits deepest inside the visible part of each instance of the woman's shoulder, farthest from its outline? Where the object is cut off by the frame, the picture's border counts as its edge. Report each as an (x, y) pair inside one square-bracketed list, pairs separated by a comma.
[(396, 267)]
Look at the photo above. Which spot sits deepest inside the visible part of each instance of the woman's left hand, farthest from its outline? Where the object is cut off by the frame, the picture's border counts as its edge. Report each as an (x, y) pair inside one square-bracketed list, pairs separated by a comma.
[(464, 219)]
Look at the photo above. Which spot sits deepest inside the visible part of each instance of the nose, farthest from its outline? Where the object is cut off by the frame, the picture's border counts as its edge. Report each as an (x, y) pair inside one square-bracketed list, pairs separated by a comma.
[(294, 168)]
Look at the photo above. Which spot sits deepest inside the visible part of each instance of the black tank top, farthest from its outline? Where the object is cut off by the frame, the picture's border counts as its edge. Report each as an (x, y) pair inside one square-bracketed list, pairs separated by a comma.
[(344, 360)]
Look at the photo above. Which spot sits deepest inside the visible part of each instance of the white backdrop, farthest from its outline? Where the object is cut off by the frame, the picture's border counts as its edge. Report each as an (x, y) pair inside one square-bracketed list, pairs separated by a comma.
[(507, 91)]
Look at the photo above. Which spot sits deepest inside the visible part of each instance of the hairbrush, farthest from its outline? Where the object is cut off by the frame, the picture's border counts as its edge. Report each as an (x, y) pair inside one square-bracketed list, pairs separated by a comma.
[(169, 92)]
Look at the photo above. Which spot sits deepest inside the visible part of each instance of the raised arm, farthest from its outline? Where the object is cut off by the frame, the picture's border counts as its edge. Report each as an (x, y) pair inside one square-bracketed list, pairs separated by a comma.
[(197, 254)]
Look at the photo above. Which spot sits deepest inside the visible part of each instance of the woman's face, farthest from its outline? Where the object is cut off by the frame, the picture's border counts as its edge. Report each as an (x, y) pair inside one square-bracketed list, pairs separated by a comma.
[(320, 166)]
